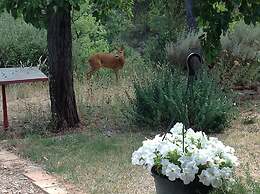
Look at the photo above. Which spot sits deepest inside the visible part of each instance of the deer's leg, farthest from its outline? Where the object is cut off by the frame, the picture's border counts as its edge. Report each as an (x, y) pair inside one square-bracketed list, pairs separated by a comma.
[(94, 65), (91, 72), (117, 76)]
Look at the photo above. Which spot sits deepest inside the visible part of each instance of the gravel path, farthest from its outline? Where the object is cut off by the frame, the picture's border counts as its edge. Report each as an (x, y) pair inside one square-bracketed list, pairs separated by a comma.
[(19, 176), (13, 182)]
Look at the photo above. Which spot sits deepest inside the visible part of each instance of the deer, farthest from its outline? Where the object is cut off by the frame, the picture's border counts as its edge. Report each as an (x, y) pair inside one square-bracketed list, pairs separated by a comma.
[(107, 60)]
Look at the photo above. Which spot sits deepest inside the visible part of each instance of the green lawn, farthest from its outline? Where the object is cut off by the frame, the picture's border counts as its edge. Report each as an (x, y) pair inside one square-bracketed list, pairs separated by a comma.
[(101, 165), (96, 163)]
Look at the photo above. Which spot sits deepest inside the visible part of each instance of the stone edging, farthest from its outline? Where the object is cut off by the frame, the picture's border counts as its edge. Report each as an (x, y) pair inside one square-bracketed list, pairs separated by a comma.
[(39, 177)]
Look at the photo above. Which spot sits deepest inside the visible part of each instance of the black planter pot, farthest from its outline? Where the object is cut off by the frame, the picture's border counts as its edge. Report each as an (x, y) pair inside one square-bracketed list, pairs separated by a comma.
[(165, 186)]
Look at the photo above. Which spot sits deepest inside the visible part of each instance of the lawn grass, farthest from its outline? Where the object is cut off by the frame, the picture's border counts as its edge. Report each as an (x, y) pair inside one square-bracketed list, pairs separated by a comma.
[(96, 163), (99, 164)]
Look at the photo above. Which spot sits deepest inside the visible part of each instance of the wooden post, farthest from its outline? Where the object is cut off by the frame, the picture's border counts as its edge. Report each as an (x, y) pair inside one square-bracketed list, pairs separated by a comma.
[(5, 116)]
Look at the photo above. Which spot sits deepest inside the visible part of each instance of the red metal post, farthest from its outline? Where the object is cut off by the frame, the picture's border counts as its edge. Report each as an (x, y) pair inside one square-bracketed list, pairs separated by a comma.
[(5, 121)]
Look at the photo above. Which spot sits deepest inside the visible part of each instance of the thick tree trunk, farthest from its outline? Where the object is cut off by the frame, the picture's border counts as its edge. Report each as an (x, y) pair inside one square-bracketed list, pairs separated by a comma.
[(63, 103), (191, 21)]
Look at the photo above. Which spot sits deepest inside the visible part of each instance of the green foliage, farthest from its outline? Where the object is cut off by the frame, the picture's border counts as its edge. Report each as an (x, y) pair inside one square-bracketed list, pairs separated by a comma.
[(209, 107), (242, 41), (163, 27), (154, 49), (239, 61), (164, 98), (215, 17), (153, 25), (178, 51), (118, 26), (103, 8), (88, 38), (20, 43), (173, 157), (134, 63), (36, 12)]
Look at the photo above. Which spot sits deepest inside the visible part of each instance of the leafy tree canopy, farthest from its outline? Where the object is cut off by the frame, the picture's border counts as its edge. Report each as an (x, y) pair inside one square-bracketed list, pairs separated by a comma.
[(35, 11), (215, 16)]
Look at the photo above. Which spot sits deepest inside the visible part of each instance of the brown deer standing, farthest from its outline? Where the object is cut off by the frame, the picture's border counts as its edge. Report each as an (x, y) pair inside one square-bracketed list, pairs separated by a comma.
[(107, 60)]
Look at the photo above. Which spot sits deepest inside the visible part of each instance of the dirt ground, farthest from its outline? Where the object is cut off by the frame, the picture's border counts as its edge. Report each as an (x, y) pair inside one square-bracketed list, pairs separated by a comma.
[(244, 136)]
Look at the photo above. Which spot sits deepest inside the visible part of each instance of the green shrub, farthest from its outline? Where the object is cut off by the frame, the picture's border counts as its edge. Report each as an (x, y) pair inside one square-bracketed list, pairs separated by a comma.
[(243, 41), (89, 36), (179, 50), (20, 43), (162, 27), (164, 97), (118, 26), (134, 63), (233, 70), (154, 49), (210, 107), (239, 61)]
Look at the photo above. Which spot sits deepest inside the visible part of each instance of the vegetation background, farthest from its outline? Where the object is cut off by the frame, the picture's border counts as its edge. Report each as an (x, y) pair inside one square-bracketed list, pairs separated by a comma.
[(151, 93)]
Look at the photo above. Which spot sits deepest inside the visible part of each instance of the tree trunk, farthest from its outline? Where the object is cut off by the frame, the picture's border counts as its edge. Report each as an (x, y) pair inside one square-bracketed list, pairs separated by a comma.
[(191, 21), (63, 103)]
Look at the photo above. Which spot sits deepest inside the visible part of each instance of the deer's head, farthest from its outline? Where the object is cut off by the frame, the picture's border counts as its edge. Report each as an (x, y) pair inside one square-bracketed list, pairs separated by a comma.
[(121, 52)]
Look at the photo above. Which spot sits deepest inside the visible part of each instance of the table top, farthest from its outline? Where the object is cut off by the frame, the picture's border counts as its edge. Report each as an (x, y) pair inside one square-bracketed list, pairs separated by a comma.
[(20, 75)]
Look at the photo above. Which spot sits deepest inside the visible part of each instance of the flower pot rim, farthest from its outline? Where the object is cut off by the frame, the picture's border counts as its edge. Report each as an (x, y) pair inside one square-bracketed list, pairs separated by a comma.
[(178, 180)]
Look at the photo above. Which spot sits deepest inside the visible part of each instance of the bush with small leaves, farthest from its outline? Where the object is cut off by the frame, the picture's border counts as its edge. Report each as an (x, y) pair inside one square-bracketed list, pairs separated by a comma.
[(164, 97), (20, 43)]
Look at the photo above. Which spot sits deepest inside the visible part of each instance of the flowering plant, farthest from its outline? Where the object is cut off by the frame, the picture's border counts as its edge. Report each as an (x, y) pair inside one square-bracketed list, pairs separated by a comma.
[(202, 157)]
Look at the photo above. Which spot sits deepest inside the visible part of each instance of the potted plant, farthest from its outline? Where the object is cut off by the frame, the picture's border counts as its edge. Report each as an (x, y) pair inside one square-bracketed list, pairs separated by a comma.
[(186, 162)]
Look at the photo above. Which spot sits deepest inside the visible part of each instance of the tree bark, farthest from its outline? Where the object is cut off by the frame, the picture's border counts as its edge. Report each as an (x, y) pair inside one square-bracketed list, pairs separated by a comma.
[(63, 103), (191, 21)]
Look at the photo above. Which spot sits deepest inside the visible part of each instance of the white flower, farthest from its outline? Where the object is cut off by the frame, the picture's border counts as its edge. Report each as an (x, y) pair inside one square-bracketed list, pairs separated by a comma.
[(205, 177), (165, 147), (230, 158), (189, 169), (187, 177), (173, 172), (203, 157), (211, 176), (165, 164), (192, 134), (209, 156), (136, 158), (177, 129), (192, 148)]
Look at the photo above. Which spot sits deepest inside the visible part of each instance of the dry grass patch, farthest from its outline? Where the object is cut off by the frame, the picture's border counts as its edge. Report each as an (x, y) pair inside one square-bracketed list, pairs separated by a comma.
[(97, 164), (245, 138)]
